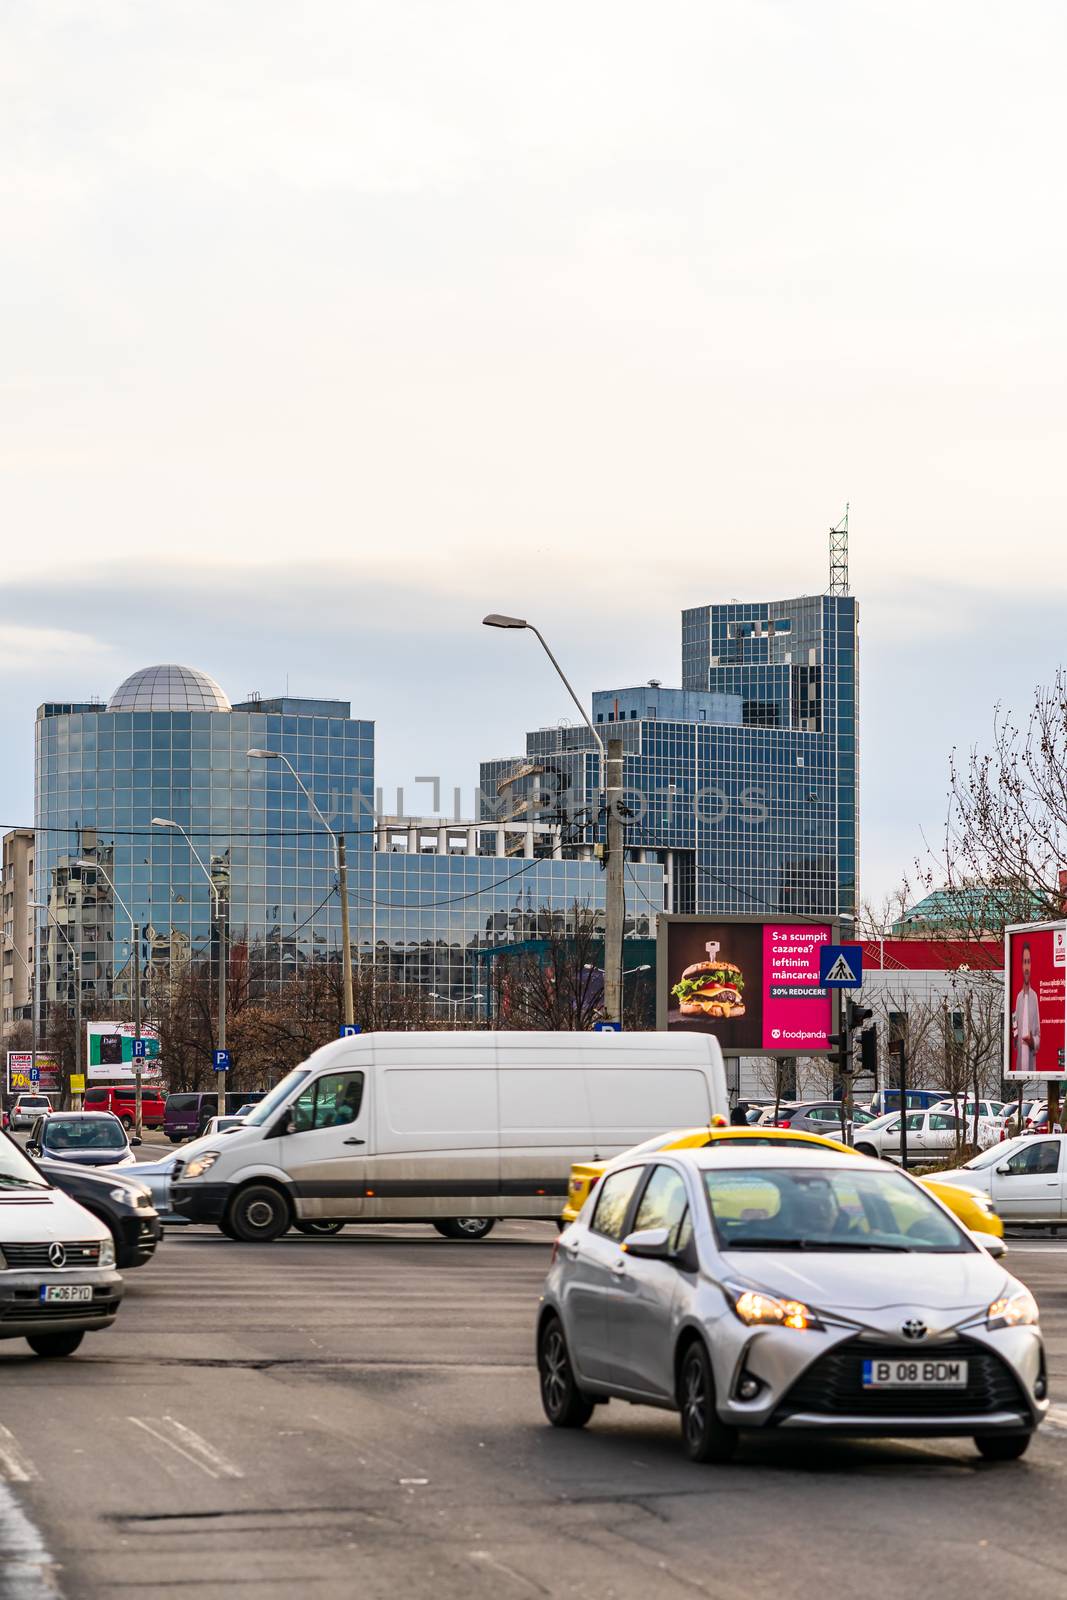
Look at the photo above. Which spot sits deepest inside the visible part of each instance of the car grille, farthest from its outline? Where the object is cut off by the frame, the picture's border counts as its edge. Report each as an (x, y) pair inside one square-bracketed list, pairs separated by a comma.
[(833, 1385), (27, 1257)]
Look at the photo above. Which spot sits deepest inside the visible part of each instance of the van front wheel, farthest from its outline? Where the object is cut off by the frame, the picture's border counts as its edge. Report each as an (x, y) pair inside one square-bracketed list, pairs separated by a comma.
[(466, 1227), (259, 1213)]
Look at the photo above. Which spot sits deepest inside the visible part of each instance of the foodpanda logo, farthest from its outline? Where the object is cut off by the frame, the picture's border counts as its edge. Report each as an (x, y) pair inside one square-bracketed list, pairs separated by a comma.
[(776, 1033)]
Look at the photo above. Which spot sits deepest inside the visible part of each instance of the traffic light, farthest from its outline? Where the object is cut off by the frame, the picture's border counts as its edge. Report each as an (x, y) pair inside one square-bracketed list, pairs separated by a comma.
[(856, 1016), (841, 1053), (869, 1052)]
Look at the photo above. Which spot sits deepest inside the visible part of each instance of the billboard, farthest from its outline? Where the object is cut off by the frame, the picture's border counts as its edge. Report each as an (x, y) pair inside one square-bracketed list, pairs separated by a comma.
[(751, 981), (19, 1063), (1035, 970), (109, 1052)]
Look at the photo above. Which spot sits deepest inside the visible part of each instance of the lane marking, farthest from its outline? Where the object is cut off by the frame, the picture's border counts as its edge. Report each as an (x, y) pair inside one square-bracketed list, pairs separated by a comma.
[(26, 1568), (14, 1465), (177, 1437)]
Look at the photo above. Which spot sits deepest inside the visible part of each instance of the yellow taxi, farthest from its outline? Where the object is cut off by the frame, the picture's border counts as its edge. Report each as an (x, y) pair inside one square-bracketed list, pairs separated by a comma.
[(972, 1208)]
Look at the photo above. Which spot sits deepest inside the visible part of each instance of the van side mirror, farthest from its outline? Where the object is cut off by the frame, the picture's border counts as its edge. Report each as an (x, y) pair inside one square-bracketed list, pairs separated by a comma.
[(649, 1244)]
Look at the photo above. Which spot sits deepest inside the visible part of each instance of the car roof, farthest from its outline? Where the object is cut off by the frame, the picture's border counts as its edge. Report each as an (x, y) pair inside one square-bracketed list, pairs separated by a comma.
[(764, 1156), (89, 1116)]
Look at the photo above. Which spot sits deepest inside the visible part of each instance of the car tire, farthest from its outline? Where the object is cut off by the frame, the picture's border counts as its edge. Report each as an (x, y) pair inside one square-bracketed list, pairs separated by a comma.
[(866, 1150), (175, 1138), (466, 1227), (323, 1227), (259, 1214), (1002, 1446), (127, 1123), (704, 1437), (50, 1346), (564, 1404)]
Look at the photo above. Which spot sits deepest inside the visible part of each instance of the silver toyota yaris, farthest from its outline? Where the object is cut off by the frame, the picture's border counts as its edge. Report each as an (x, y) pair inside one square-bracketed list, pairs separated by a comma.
[(779, 1288)]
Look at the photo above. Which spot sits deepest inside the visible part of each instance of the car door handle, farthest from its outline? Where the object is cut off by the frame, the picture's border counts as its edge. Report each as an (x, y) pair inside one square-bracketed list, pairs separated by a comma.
[(355, 1141)]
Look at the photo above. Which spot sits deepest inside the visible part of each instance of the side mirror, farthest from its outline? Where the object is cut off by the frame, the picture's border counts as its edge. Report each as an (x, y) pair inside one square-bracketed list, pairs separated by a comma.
[(135, 1138), (651, 1244), (990, 1243), (33, 1149), (1003, 1172)]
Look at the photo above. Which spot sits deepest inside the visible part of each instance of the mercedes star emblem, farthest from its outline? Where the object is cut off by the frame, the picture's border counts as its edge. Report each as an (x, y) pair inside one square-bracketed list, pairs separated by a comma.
[(914, 1329), (57, 1256)]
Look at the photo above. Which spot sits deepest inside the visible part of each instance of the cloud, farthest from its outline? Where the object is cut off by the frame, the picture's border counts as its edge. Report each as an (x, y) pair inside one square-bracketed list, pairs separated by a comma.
[(43, 650)]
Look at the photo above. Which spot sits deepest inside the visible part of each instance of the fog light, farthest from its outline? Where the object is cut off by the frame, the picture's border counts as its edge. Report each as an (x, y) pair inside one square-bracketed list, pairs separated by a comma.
[(748, 1387), (1040, 1388)]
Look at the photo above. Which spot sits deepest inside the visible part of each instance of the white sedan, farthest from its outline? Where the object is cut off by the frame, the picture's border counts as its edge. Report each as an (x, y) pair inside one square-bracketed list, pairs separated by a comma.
[(1026, 1178), (930, 1134)]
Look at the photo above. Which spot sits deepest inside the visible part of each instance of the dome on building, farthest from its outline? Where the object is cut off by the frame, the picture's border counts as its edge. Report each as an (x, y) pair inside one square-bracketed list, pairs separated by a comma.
[(168, 688)]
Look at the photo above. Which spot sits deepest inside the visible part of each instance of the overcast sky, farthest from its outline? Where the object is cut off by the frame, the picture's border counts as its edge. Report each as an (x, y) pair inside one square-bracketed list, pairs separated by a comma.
[(327, 329)]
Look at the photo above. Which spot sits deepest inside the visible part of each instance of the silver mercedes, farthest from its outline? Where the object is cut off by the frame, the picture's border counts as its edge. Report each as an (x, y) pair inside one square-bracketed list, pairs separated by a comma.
[(781, 1289)]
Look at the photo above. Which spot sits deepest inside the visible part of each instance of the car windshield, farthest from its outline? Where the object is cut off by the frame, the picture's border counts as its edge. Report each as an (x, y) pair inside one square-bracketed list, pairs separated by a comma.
[(277, 1097), (16, 1171), (71, 1133), (995, 1153), (814, 1209)]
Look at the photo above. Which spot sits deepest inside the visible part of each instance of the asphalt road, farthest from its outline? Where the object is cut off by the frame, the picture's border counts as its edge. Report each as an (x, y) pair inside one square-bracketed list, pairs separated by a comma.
[(360, 1416)]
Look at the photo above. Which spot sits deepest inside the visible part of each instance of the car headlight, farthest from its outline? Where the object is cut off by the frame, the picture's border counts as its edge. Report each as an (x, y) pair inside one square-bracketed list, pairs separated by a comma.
[(124, 1197), (1013, 1311), (107, 1253), (201, 1164), (753, 1307)]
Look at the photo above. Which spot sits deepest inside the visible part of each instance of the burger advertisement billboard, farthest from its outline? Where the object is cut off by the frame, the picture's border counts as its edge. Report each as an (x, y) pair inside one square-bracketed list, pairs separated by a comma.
[(1035, 970), (752, 982)]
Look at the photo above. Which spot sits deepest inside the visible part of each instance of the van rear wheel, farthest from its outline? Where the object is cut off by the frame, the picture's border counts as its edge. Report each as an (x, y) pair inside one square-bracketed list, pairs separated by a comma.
[(466, 1227), (259, 1214)]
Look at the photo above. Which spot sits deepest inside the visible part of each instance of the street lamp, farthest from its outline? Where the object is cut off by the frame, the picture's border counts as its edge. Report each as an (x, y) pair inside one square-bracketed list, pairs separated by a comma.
[(35, 905), (135, 961), (220, 923), (340, 861), (611, 772), (30, 986)]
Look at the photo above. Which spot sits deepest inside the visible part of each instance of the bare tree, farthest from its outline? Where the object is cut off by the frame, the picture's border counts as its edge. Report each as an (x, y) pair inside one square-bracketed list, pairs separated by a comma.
[(559, 984)]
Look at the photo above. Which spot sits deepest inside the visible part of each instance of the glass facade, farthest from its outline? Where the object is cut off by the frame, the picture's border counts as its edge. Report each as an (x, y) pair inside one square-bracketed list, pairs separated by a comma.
[(742, 784), (102, 775)]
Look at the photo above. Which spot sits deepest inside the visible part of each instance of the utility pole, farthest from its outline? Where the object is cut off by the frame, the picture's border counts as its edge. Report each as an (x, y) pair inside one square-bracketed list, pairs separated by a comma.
[(138, 1062), (896, 1048), (615, 884), (221, 910), (346, 937)]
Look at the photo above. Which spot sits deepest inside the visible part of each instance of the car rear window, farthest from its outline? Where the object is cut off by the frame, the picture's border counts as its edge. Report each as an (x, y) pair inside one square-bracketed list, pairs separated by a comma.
[(182, 1102)]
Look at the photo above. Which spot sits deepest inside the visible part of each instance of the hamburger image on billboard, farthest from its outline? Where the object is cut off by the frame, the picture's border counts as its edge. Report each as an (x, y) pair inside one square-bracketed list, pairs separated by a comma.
[(711, 988)]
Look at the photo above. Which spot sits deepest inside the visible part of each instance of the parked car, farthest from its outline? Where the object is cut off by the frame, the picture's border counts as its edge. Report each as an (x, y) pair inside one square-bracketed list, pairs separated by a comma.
[(455, 1129), (931, 1134), (991, 1110), (26, 1108), (121, 1101), (914, 1099), (186, 1116), (973, 1209), (821, 1116), (1025, 1178), (125, 1208), (58, 1279), (87, 1138), (155, 1176), (223, 1124), (679, 1287)]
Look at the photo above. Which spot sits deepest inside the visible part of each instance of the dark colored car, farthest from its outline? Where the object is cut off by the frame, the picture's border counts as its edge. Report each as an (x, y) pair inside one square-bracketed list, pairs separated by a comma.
[(120, 1204), (187, 1115), (121, 1101), (87, 1138)]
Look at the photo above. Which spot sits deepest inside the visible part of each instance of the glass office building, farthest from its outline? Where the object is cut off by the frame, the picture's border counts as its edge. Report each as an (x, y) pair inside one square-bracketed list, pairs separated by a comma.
[(168, 745), (742, 784)]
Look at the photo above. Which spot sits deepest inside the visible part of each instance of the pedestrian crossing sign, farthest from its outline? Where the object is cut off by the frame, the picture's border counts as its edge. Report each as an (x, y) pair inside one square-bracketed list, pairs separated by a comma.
[(841, 966)]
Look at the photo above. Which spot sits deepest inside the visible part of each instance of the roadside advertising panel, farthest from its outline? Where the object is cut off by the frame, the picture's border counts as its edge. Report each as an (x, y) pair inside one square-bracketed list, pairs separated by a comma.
[(751, 981), (109, 1055), (19, 1064), (1035, 1010)]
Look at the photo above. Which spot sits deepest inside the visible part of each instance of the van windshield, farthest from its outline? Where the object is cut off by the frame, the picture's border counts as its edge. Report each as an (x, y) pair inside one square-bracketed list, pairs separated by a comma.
[(16, 1171), (277, 1097)]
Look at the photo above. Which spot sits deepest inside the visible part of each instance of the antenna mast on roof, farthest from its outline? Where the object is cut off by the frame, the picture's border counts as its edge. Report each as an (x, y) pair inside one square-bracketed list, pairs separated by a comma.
[(839, 556)]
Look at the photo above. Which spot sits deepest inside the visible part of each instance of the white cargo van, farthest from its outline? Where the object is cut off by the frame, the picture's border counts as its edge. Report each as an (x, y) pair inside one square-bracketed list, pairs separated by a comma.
[(455, 1129)]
